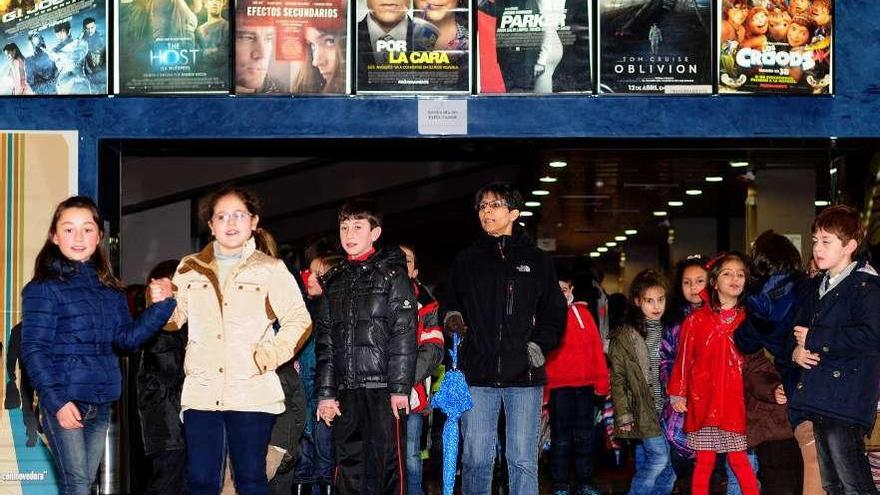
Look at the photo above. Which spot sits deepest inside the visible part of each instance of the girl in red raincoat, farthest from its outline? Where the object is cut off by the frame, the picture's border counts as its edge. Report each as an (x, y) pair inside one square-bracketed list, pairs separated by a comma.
[(707, 381)]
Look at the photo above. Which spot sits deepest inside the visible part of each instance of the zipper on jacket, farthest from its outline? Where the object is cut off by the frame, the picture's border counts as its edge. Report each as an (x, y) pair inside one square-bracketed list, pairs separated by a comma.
[(509, 292), (501, 247)]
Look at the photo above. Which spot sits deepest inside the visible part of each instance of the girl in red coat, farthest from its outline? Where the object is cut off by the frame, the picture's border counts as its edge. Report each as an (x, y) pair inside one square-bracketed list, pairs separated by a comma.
[(707, 380)]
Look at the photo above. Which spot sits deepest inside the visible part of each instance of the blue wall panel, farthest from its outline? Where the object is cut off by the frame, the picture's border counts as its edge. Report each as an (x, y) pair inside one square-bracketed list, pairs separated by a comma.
[(854, 110)]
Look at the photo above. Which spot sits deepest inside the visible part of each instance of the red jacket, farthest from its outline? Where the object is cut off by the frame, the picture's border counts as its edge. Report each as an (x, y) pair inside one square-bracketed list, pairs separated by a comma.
[(708, 371), (579, 360)]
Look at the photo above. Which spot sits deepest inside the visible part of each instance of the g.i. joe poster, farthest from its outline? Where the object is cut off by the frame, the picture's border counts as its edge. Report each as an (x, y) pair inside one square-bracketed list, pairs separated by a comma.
[(413, 47), (775, 46), (535, 46), (53, 47), (655, 46), (291, 47), (172, 46)]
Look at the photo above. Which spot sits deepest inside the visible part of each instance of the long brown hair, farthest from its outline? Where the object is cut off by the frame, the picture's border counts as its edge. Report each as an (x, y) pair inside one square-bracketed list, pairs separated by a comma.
[(262, 238), (714, 267), (50, 260)]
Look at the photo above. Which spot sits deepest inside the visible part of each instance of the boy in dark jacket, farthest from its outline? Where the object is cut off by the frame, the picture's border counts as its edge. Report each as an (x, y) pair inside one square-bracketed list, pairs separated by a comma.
[(838, 345), (366, 353)]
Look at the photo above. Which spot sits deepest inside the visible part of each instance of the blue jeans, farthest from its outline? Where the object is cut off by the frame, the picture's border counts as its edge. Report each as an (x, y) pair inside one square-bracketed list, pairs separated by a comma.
[(842, 463), (413, 453), (522, 410), (208, 436), (78, 452), (654, 473), (732, 483)]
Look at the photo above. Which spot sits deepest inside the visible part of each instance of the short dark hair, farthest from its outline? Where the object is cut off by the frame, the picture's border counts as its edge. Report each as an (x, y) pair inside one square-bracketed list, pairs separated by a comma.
[(772, 253), (87, 21), (63, 26), (361, 209), (563, 274), (503, 191), (842, 221), (164, 269)]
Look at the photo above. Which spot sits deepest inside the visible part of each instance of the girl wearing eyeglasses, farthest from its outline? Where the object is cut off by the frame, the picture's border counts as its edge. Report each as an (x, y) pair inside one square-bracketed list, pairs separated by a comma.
[(246, 318)]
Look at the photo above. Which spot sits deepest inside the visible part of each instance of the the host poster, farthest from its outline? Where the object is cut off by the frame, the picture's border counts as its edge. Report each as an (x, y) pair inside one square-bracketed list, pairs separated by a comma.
[(775, 46), (291, 47), (53, 48), (535, 46), (655, 46), (420, 47), (173, 46)]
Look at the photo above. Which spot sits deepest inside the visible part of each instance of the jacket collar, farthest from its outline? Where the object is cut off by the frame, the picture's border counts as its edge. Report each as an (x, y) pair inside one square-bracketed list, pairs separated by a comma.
[(205, 263), (519, 237)]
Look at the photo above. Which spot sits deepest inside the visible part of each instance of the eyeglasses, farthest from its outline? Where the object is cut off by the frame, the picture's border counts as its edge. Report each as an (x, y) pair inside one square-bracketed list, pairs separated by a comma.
[(238, 216), (491, 205)]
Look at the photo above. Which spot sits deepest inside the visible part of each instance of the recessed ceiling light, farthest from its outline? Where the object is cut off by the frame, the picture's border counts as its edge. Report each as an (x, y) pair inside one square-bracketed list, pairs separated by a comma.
[(525, 213), (714, 178), (821, 202), (631, 232), (610, 243), (540, 192), (675, 203), (558, 164), (660, 213), (522, 224), (548, 179), (602, 249), (739, 164), (533, 204), (595, 254), (693, 192), (620, 238)]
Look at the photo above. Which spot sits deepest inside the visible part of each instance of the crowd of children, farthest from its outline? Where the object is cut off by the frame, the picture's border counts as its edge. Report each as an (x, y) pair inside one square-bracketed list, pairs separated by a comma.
[(262, 381)]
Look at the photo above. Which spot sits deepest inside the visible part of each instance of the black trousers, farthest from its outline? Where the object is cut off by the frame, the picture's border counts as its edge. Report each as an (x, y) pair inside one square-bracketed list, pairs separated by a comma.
[(572, 415), (167, 473), (780, 467), (370, 444)]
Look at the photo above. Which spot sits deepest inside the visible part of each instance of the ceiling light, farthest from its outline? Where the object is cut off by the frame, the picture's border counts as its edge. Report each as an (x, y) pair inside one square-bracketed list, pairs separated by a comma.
[(532, 204), (631, 232), (548, 179), (739, 164), (540, 192), (525, 213), (610, 243), (558, 164), (675, 203), (660, 213), (620, 238), (602, 249), (821, 202), (595, 254), (693, 192), (714, 178), (522, 224)]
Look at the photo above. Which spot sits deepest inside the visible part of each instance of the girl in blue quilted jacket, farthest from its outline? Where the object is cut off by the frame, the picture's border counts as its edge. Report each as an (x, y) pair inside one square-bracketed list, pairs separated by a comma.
[(75, 318)]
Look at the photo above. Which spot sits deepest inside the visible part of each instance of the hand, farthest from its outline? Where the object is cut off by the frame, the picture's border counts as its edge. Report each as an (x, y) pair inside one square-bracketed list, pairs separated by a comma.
[(779, 395), (804, 358), (160, 289), (536, 357), (679, 405), (328, 409), (399, 402), (800, 333), (455, 324), (69, 417), (626, 428), (264, 359)]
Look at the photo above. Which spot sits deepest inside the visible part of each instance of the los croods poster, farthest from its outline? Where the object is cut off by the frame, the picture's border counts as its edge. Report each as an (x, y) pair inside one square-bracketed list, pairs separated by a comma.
[(413, 46), (655, 46), (775, 46), (291, 47)]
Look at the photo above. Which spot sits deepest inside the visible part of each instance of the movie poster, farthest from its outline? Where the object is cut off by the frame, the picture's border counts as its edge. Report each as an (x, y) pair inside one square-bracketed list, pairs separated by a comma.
[(53, 47), (172, 46), (413, 46), (291, 47), (775, 47), (535, 46), (655, 46)]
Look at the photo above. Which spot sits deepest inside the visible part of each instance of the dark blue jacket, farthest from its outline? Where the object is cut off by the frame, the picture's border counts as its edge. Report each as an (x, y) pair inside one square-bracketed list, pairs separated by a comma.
[(845, 332), (70, 328)]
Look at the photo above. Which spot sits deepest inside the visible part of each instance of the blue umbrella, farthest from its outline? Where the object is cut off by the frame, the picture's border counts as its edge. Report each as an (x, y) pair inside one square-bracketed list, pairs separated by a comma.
[(453, 399)]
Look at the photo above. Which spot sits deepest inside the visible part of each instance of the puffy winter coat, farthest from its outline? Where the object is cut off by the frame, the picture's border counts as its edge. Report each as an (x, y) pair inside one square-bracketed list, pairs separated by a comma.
[(708, 372), (506, 290), (765, 419), (632, 396), (579, 361), (367, 326), (228, 324), (70, 329)]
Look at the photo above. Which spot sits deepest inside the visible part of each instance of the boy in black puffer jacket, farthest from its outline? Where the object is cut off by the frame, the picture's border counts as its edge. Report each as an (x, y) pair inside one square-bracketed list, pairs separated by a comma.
[(366, 353)]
